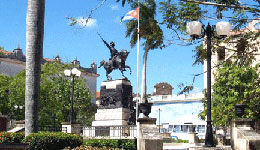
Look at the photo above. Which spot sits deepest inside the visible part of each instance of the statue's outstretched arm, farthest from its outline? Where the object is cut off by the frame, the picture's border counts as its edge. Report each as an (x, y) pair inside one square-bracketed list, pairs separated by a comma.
[(106, 44), (104, 41)]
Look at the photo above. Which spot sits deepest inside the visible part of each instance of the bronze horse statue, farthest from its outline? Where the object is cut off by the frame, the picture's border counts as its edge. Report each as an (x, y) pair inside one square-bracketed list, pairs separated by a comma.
[(116, 63)]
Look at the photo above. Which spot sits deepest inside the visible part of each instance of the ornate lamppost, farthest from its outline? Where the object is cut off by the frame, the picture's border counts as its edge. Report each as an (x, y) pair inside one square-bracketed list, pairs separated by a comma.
[(194, 29), (72, 73)]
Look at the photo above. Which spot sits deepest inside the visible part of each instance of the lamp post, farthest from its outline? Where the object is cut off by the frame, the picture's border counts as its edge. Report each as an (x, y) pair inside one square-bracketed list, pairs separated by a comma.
[(194, 29), (159, 110), (18, 108), (72, 73)]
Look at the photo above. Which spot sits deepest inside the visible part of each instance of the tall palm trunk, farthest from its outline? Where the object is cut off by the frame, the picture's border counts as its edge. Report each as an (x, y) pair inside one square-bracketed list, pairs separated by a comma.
[(34, 46), (144, 87)]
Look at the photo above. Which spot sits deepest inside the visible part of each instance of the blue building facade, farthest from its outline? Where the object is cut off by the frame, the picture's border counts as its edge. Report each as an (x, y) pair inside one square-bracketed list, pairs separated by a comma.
[(179, 115)]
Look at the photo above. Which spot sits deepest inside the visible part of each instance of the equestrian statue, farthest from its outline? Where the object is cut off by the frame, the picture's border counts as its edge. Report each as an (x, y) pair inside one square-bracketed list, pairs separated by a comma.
[(116, 60)]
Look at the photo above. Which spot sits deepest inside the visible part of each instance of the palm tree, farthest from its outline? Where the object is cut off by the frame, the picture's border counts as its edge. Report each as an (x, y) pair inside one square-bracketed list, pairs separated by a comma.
[(150, 32), (34, 46), (123, 1)]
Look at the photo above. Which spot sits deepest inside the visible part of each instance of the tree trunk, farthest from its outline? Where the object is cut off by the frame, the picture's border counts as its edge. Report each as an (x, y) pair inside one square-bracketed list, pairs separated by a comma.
[(144, 88), (34, 48)]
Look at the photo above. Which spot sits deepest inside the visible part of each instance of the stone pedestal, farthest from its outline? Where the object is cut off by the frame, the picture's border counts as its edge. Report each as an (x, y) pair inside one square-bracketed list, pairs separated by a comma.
[(239, 124), (243, 137), (115, 109), (111, 117), (192, 137), (149, 137), (116, 94), (116, 104), (20, 123), (71, 128)]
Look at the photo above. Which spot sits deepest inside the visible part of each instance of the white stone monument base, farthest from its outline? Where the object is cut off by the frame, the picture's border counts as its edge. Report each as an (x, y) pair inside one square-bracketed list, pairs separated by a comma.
[(71, 128), (192, 137), (111, 117), (113, 83)]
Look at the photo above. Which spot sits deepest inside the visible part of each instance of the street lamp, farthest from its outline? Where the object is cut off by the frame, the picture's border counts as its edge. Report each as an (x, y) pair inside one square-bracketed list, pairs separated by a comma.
[(72, 73), (194, 29), (159, 110)]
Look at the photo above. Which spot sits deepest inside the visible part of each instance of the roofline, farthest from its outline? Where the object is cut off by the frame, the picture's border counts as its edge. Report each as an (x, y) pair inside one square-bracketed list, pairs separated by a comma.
[(177, 101)]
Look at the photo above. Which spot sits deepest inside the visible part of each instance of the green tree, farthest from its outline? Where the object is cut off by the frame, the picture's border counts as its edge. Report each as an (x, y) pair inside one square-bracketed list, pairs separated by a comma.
[(176, 14), (12, 96), (4, 90), (34, 52), (54, 100), (234, 84), (55, 97), (150, 32), (1, 53)]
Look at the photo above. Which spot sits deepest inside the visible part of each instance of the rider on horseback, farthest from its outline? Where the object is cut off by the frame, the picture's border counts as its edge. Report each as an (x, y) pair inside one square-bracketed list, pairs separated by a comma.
[(114, 53), (116, 61)]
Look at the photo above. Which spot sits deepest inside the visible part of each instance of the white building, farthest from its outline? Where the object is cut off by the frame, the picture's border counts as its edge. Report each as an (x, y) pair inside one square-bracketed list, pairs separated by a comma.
[(11, 63), (177, 114)]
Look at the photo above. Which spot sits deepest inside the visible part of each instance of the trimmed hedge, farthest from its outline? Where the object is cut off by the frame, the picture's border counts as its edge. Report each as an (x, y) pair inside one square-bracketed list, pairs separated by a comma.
[(43, 140), (125, 144), (6, 137), (180, 141), (53, 140)]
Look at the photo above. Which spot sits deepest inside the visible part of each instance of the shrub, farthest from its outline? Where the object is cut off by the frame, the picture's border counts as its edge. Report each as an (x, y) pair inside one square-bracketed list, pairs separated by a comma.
[(53, 140), (167, 140), (6, 137), (180, 141), (125, 144), (85, 147)]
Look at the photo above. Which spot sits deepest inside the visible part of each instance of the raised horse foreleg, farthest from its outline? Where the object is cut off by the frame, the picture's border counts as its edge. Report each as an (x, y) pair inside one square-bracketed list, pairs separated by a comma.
[(122, 71), (128, 68)]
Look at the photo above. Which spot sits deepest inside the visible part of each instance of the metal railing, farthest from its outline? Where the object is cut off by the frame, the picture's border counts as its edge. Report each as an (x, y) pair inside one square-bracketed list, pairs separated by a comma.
[(128, 131), (52, 128)]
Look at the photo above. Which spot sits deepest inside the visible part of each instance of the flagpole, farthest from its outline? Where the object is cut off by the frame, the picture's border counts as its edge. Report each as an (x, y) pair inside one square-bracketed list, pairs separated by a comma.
[(137, 81)]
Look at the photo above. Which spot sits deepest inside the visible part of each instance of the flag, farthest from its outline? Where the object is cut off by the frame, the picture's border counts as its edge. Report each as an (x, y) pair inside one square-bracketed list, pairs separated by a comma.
[(133, 14)]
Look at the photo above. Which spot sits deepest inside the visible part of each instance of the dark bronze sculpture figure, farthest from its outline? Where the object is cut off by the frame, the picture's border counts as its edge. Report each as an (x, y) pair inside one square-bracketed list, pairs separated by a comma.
[(116, 61)]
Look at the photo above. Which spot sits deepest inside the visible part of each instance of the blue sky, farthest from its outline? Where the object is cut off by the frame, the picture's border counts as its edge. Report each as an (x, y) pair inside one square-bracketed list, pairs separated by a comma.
[(172, 64)]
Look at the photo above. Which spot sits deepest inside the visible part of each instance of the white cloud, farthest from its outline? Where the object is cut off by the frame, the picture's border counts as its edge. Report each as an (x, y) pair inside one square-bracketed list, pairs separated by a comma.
[(114, 7), (84, 22)]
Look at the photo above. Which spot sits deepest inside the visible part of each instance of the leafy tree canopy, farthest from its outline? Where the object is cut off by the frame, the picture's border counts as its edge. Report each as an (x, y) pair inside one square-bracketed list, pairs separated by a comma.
[(176, 14), (55, 96), (234, 84)]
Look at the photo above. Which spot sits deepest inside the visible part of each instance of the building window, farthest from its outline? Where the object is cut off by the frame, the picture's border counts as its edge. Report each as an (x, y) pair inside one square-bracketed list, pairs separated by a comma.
[(164, 97), (201, 129), (177, 128)]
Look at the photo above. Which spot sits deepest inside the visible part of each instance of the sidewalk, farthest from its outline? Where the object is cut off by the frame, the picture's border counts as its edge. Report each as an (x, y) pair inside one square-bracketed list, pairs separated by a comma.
[(186, 146), (179, 146)]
